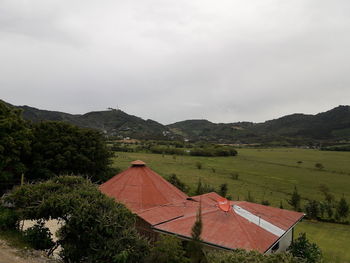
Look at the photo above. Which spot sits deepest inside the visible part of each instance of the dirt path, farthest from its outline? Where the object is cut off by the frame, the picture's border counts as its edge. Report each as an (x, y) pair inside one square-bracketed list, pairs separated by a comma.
[(13, 255)]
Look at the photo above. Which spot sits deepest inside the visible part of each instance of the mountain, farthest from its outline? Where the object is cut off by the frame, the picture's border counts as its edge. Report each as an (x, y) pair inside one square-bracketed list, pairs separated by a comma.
[(111, 122), (330, 126)]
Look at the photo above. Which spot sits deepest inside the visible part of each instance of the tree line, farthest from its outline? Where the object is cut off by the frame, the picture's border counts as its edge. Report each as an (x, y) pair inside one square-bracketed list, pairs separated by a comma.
[(39, 151)]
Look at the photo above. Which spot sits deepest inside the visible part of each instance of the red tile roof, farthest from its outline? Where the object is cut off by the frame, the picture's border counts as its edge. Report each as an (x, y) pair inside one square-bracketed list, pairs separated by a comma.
[(169, 210), (140, 188)]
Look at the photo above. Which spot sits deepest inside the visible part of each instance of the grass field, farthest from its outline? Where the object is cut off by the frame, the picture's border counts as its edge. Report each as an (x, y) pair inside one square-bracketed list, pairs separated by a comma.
[(269, 174), (333, 239)]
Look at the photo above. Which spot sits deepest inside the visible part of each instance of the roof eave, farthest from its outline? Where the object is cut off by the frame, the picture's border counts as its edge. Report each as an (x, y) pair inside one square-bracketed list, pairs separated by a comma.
[(284, 233)]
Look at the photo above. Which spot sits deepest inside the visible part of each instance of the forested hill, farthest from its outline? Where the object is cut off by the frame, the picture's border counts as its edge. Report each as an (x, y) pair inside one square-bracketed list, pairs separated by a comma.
[(296, 129), (330, 126), (111, 122)]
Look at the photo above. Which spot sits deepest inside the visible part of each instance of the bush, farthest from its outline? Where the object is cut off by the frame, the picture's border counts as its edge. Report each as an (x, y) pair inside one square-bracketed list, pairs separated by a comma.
[(312, 209), (234, 176), (8, 219), (319, 166), (199, 165), (95, 227), (174, 180), (303, 248), (167, 250), (39, 236), (243, 256)]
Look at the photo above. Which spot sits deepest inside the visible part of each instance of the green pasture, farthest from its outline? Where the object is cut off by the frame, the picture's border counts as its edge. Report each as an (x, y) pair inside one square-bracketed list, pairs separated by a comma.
[(333, 239), (269, 174)]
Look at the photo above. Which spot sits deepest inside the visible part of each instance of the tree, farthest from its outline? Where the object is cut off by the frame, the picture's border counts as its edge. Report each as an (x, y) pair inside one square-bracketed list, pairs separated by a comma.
[(342, 208), (223, 190), (174, 180), (312, 209), (194, 247), (303, 248), (62, 148), (95, 227), (14, 146), (294, 201), (168, 249)]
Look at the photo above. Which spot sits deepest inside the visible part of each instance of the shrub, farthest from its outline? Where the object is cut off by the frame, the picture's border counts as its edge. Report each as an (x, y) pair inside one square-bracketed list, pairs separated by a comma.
[(223, 190), (243, 256), (312, 209), (174, 180), (234, 176), (319, 166), (39, 236), (250, 198), (303, 248), (167, 250), (8, 219), (199, 165), (265, 202)]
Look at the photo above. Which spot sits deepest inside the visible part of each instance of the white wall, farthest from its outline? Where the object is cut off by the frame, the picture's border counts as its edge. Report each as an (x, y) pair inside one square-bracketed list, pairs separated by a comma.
[(284, 242)]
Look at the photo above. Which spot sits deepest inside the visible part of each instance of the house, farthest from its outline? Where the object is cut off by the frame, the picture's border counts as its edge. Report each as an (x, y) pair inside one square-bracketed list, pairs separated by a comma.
[(162, 208)]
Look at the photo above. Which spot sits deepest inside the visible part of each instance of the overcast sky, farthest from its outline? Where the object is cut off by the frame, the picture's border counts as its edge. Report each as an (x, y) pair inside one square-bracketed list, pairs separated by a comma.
[(172, 60)]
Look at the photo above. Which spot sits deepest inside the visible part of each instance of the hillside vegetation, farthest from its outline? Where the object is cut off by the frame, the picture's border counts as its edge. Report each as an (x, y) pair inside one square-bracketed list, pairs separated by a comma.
[(326, 128)]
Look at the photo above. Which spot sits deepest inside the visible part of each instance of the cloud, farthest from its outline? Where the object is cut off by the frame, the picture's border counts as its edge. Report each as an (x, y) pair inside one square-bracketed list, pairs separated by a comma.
[(172, 60)]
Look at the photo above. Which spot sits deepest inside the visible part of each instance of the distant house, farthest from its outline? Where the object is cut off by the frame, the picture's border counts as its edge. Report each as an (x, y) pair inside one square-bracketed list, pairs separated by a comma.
[(162, 208)]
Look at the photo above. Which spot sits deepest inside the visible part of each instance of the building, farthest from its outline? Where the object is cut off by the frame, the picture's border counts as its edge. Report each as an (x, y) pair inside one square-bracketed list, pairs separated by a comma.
[(162, 208)]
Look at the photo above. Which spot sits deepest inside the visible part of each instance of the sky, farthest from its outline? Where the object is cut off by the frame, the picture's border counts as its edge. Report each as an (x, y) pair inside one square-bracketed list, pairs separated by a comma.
[(171, 60)]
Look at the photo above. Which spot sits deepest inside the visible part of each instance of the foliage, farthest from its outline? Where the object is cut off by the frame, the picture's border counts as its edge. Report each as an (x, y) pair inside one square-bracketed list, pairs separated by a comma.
[(14, 146), (294, 201), (214, 150), (234, 176), (319, 166), (243, 256), (312, 209), (303, 248), (250, 197), (61, 148), (342, 208), (168, 249), (39, 236), (174, 180), (95, 229), (8, 219), (194, 246), (203, 188), (265, 202), (223, 190)]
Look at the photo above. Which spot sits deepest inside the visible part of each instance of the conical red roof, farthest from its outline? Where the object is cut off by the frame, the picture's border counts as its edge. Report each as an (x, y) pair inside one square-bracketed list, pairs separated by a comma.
[(140, 188)]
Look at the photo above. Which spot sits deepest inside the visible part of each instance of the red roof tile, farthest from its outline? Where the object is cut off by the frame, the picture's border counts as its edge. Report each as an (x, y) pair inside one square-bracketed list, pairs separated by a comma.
[(169, 210), (140, 188)]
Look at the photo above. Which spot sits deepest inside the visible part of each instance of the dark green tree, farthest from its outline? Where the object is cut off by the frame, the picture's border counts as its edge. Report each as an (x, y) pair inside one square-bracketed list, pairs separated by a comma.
[(223, 190), (174, 180), (294, 201), (95, 227), (342, 208), (15, 139), (194, 247), (168, 249), (304, 249), (312, 209), (62, 148)]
